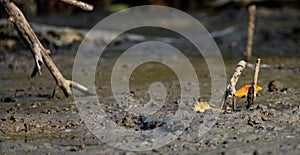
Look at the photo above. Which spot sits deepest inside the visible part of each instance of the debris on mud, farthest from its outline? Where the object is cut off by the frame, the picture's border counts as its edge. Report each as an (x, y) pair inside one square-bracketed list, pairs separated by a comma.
[(7, 99), (203, 106), (276, 86)]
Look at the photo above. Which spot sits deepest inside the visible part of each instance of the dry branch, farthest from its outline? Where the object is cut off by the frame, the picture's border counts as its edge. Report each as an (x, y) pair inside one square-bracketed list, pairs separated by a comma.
[(251, 25), (40, 54), (230, 90), (82, 5)]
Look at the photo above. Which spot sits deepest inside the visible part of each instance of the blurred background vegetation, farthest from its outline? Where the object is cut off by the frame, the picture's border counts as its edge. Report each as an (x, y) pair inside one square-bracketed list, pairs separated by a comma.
[(50, 7), (277, 21)]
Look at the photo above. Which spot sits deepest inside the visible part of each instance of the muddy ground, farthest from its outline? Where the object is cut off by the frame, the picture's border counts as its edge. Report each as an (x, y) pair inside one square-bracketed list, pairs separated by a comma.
[(33, 122)]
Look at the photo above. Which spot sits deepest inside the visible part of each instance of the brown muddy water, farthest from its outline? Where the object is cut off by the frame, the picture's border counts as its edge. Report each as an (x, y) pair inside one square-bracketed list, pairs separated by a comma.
[(33, 122)]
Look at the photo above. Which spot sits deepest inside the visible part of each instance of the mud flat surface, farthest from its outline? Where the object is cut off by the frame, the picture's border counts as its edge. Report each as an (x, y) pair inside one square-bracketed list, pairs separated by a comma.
[(32, 122)]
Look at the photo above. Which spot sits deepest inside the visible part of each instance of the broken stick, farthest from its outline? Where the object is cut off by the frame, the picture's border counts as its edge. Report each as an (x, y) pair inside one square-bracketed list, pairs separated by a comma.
[(230, 90), (82, 5), (40, 54), (251, 25)]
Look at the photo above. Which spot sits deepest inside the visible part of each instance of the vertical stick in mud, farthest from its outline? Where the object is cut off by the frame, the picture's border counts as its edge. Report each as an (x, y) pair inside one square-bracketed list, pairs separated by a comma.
[(251, 25), (256, 76), (251, 97), (234, 105)]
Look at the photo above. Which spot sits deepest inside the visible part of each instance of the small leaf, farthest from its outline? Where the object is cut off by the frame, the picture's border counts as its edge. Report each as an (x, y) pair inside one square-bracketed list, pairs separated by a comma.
[(201, 106)]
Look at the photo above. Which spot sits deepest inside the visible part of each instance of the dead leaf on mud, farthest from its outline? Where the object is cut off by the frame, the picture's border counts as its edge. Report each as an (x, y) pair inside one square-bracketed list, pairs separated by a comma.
[(203, 106)]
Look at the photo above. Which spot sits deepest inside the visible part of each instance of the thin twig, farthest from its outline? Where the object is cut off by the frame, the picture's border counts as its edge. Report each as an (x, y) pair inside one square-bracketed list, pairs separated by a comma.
[(230, 90), (251, 25), (82, 5), (40, 54)]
